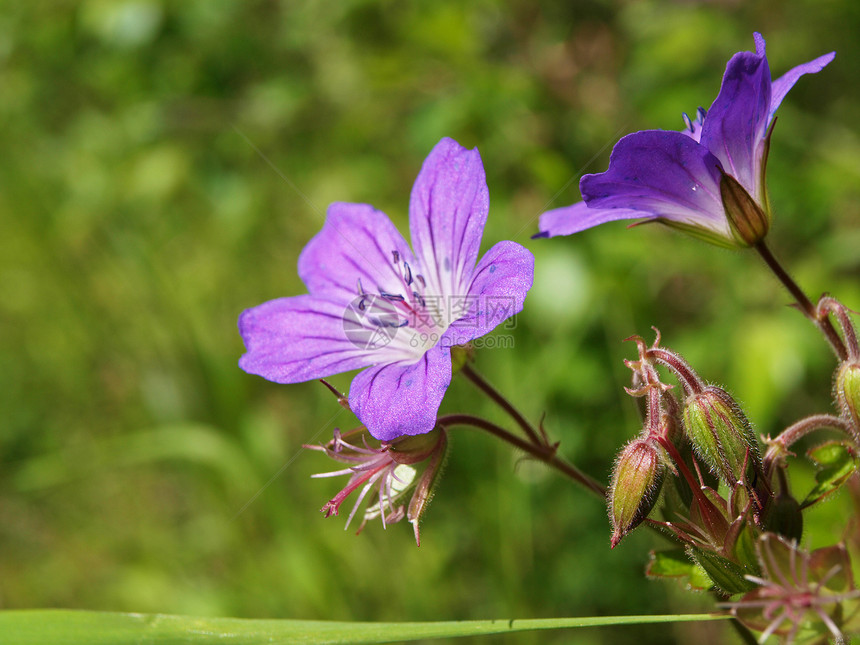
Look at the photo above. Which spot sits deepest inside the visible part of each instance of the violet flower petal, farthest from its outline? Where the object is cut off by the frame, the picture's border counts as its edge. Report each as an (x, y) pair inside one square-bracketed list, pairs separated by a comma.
[(663, 173), (397, 399), (736, 123), (447, 212), (578, 217), (499, 286), (290, 340), (784, 83), (357, 243)]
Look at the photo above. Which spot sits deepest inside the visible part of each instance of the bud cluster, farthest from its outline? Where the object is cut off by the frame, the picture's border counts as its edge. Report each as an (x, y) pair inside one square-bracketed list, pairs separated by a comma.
[(720, 498), (731, 508)]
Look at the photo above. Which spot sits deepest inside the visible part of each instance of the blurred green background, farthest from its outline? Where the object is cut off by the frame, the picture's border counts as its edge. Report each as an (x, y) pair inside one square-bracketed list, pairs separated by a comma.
[(162, 166)]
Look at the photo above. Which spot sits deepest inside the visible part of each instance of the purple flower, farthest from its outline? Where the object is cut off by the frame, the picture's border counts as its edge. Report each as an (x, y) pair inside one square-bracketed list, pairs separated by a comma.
[(707, 180), (374, 303)]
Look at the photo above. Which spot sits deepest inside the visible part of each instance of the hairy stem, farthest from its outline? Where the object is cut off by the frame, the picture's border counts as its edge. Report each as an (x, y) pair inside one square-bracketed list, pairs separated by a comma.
[(540, 451), (803, 302), (778, 447)]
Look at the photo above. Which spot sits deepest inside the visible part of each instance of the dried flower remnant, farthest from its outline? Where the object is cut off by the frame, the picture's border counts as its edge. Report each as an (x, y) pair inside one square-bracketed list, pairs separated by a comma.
[(388, 472), (797, 590)]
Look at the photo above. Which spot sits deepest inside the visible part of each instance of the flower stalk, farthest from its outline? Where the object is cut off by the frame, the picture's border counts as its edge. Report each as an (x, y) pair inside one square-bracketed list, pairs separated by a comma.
[(803, 302)]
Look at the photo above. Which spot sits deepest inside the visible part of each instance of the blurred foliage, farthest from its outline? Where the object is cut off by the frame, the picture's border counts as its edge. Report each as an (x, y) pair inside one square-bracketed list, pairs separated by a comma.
[(164, 164)]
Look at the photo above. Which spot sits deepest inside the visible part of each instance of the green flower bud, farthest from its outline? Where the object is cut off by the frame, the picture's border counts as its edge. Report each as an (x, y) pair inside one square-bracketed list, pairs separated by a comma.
[(783, 516), (721, 435), (848, 391), (635, 486), (748, 221)]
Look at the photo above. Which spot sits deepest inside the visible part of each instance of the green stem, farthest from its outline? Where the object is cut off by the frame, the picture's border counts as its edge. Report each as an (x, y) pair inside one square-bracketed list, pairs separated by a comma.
[(541, 452), (803, 302)]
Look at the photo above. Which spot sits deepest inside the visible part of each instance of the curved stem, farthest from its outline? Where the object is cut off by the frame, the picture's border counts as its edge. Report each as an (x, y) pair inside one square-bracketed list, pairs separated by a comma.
[(803, 427), (690, 381), (541, 452), (778, 448), (803, 302), (503, 403)]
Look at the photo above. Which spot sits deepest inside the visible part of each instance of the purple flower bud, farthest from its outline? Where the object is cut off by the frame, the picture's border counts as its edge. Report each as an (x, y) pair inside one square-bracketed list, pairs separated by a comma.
[(635, 485), (721, 434)]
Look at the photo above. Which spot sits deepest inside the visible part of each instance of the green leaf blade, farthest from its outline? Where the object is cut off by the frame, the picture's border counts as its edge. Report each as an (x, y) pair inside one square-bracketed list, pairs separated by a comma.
[(71, 627)]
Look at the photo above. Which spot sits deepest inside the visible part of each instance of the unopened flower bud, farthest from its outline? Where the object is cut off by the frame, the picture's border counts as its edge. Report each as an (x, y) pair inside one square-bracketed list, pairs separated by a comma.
[(748, 221), (783, 517), (721, 434), (635, 485), (848, 391)]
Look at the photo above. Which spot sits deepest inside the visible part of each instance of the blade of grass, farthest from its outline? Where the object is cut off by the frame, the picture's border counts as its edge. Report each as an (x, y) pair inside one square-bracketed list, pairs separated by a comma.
[(72, 627)]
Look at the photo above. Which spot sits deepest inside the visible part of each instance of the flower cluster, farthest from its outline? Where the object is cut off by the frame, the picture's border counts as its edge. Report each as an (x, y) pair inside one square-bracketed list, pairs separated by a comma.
[(406, 315)]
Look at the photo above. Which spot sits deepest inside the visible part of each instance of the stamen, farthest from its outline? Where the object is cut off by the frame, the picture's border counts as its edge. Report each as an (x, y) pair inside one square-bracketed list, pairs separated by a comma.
[(408, 276), (396, 257), (360, 289), (421, 279), (392, 297), (687, 121), (389, 323)]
